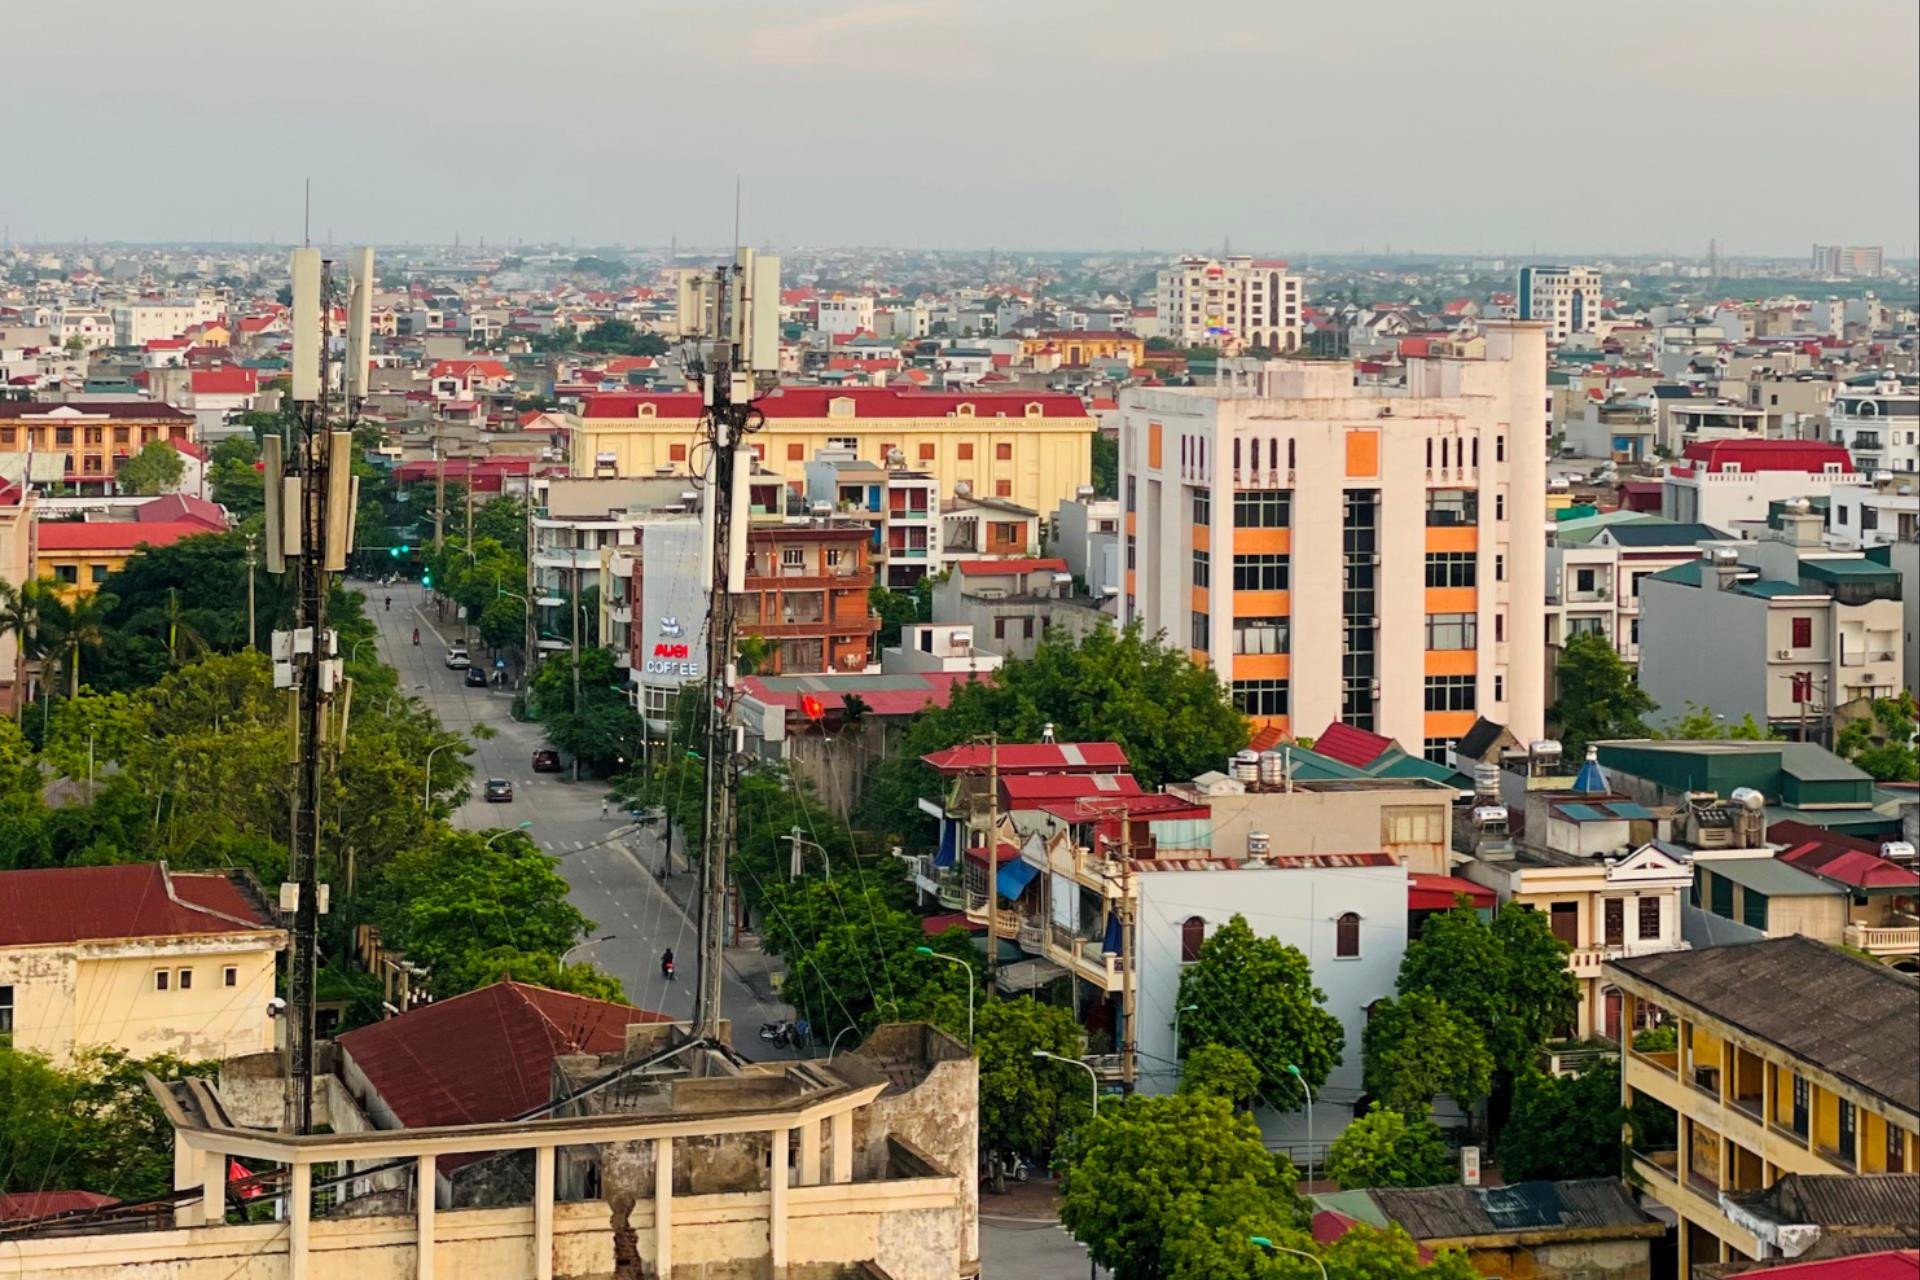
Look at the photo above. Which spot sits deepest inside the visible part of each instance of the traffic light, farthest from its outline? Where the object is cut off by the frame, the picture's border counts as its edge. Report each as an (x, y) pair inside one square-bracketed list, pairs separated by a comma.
[(426, 579), (396, 552)]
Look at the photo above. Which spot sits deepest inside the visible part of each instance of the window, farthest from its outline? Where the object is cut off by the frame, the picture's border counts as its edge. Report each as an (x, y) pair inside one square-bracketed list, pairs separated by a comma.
[(1260, 697), (964, 451), (676, 453), (161, 979), (1130, 551), (1565, 920), (1499, 506), (1753, 909), (6, 1011), (1262, 508), (120, 435), (793, 558), (1803, 633), (1453, 631), (1346, 936), (1499, 688), (1003, 452), (230, 976), (1202, 569), (66, 573), (1202, 630), (63, 435), (1720, 897), (1614, 915), (844, 442), (1437, 750), (1649, 919), (1132, 494), (833, 557), (796, 453), (1260, 573), (1499, 568), (1450, 693), (7, 435), (1896, 1144), (928, 451), (1500, 626), (1452, 569), (1003, 488), (1202, 507), (1260, 635), (1802, 1104), (1583, 580), (1452, 506), (1408, 825), (1849, 1124), (186, 980), (1193, 932), (97, 573)]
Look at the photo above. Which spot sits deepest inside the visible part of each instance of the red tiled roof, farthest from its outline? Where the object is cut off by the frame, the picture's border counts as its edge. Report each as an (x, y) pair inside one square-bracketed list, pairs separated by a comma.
[(1033, 757), (1768, 455), (868, 402), (1349, 745), (1033, 789), (181, 508), (483, 1056), (77, 904), (1006, 853), (937, 691), (1894, 1264), (1266, 737), (464, 368), (103, 410), (1042, 564), (226, 380), (115, 535), (1844, 859), (18, 1206), (1436, 893)]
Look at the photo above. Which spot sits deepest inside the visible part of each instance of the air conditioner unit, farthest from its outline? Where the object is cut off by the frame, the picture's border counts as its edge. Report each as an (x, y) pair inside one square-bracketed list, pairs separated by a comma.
[(1783, 653)]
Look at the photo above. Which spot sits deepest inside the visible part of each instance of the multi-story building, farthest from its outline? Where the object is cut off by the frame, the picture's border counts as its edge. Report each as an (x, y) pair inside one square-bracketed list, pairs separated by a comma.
[(1874, 514), (900, 506), (1031, 448), (138, 958), (841, 314), (1849, 260), (1375, 556), (137, 323), (1879, 424), (1593, 577), (1012, 604), (1792, 1058), (1782, 629), (807, 586), (77, 556), (1086, 530), (92, 438), (976, 528), (1077, 348), (1730, 484), (1240, 302), (1565, 299)]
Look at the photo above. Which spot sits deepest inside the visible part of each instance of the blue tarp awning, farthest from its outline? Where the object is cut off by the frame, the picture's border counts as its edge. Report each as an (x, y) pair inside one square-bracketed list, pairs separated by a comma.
[(1014, 877), (944, 856), (1111, 943)]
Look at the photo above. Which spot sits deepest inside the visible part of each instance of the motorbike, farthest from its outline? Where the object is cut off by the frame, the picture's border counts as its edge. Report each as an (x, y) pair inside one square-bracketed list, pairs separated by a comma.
[(1001, 1166), (787, 1035)]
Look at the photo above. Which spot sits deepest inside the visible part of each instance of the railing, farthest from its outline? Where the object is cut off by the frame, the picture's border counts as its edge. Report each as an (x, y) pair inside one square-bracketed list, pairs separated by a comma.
[(1835, 1156), (1750, 1105), (1702, 1185), (1669, 1061), (1032, 937), (1572, 1059), (1898, 940), (1664, 1161), (1108, 1066)]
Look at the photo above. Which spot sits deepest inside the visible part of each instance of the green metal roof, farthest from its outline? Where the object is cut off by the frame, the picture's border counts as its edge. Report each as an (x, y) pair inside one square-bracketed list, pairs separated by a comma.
[(1770, 876), (1847, 570), (1811, 762), (1770, 588), (1687, 573), (1580, 530)]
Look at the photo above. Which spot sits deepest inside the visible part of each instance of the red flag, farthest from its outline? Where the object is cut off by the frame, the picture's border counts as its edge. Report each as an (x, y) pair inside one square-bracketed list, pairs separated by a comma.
[(237, 1172), (810, 707)]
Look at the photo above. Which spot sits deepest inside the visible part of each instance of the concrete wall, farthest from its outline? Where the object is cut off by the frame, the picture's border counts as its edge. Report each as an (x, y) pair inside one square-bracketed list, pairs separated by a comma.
[(1588, 1259)]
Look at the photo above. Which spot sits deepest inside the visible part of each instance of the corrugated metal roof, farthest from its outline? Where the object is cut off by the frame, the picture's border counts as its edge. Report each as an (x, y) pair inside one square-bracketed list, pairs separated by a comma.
[(1770, 876), (1575, 1208), (1890, 1200)]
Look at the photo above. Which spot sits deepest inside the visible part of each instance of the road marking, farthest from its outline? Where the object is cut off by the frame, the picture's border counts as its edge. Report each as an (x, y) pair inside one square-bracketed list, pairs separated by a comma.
[(429, 626)]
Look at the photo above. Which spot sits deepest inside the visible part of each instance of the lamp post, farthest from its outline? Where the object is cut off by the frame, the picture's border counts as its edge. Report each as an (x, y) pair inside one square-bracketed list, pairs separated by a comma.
[(426, 787), (833, 1047), (1271, 1247), (1091, 1075), (929, 951), (353, 654), (521, 826), (605, 937), (1178, 1010), (1294, 1071)]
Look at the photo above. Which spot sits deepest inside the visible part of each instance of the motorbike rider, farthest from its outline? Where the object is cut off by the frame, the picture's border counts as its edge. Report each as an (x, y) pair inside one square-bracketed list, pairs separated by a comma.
[(389, 604), (666, 964), (416, 636)]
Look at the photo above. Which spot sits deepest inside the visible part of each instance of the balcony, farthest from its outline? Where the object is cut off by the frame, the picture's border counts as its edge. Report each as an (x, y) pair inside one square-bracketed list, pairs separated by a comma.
[(1896, 940), (1084, 956), (1662, 1163), (1032, 936)]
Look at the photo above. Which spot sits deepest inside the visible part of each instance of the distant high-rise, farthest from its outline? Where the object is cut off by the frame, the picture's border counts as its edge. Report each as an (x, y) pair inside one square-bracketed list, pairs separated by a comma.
[(1567, 299), (1848, 260), (1236, 302)]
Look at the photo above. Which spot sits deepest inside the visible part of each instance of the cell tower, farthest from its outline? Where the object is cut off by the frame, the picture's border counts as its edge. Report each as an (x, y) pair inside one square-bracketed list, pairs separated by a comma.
[(311, 496)]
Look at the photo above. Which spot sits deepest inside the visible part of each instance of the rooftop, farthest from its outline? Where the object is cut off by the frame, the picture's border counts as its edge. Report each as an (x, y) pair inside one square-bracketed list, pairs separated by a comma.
[(53, 906), (1589, 1209), (866, 402), (1770, 876)]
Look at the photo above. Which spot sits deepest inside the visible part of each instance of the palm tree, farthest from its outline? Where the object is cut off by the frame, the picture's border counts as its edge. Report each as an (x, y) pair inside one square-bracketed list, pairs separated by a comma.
[(754, 653), (181, 634), (17, 619), (71, 625)]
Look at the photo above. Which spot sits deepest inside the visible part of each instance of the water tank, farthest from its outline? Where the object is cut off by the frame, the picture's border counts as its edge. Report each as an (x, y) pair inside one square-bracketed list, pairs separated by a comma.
[(1273, 768), (896, 457), (1748, 798), (1083, 493), (1796, 506), (1245, 767), (1486, 779), (1900, 851), (962, 489), (1543, 748), (1258, 844), (1486, 815)]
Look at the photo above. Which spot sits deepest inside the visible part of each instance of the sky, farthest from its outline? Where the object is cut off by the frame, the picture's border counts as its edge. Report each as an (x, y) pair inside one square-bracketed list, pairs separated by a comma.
[(1499, 126)]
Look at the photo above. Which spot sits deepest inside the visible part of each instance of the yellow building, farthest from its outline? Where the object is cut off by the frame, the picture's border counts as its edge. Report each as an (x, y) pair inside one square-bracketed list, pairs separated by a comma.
[(135, 957), (1792, 1057), (1078, 347), (1032, 448), (92, 439), (79, 555)]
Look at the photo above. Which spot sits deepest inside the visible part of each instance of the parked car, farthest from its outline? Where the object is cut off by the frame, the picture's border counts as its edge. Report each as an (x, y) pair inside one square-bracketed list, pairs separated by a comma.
[(457, 658), (499, 790), (476, 678), (546, 760)]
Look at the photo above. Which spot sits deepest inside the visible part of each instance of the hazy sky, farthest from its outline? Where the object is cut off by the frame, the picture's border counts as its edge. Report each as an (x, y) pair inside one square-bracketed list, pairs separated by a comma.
[(1288, 125)]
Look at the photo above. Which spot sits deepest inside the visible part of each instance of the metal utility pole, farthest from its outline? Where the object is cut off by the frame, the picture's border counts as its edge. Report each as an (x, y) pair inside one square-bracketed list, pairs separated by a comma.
[(993, 854), (1128, 1039), (439, 489), (575, 630), (252, 560)]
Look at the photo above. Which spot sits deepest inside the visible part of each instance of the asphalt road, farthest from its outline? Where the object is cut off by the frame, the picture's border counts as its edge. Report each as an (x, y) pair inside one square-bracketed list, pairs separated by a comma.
[(1018, 1249), (607, 862)]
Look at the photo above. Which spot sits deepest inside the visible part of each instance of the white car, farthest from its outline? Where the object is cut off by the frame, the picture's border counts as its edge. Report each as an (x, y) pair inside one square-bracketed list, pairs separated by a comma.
[(457, 659)]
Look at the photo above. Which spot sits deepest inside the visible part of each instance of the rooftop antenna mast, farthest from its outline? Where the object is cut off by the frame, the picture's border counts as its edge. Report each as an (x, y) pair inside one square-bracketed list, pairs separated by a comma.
[(742, 321)]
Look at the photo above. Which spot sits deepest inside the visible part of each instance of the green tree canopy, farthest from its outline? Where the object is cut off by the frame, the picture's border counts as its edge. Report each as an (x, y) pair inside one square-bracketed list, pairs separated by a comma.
[(1386, 1148), (1221, 1071), (1563, 1126), (1027, 1103), (1257, 994), (237, 486), (1509, 980), (157, 468), (1702, 723), (1415, 1048), (92, 1125), (1598, 695), (1882, 742)]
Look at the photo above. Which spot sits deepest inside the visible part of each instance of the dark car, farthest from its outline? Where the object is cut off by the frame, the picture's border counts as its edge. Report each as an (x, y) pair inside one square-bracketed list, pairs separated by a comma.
[(476, 678), (499, 790), (546, 760)]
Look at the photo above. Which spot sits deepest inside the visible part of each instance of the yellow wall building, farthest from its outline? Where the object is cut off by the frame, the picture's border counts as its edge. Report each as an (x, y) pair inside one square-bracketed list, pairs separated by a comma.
[(1077, 347), (138, 958), (93, 439), (1793, 1057), (1032, 448)]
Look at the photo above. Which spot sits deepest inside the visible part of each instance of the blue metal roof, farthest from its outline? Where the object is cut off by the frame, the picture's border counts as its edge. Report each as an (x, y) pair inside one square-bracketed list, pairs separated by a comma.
[(1627, 809), (1014, 877), (1584, 813)]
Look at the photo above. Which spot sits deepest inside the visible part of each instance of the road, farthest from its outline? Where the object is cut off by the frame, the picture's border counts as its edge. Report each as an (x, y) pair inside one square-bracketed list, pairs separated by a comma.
[(604, 859), (1022, 1249)]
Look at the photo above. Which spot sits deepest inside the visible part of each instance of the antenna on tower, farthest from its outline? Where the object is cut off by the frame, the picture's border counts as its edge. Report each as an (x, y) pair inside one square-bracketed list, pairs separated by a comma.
[(306, 217)]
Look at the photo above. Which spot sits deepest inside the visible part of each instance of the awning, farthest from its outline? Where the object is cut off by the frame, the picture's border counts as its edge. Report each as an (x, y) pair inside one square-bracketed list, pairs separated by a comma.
[(1014, 877), (1436, 893), (1026, 975), (1111, 943), (944, 856)]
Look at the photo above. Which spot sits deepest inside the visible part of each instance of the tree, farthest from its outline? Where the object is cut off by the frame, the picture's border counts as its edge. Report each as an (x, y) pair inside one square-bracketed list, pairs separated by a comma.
[(1106, 465), (1702, 724), (75, 626), (1134, 1177), (157, 468), (1563, 1126), (620, 337), (1257, 994), (1415, 1048), (1386, 1148), (1221, 1071), (1027, 1103), (1882, 743), (1598, 695), (1509, 980), (237, 486), (895, 609)]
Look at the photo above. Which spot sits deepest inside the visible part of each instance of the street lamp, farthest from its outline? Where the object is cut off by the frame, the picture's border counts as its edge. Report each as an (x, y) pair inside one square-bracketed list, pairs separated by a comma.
[(836, 1040), (1185, 1008), (353, 654), (507, 832), (1091, 1075), (1271, 1247), (605, 937), (929, 951), (1294, 1071), (426, 787)]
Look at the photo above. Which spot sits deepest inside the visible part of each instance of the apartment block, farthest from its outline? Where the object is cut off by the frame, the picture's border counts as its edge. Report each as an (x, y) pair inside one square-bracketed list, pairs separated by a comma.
[(1375, 556), (1238, 302), (1730, 484), (1565, 299), (1879, 424), (90, 440), (1792, 1057), (1594, 575), (900, 506), (1031, 448), (1849, 259)]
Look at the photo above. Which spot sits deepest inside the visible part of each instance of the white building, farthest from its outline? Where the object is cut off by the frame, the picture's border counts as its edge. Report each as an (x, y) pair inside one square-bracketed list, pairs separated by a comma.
[(1593, 583), (92, 325), (135, 324), (1730, 484), (1086, 532), (1370, 555), (1880, 425), (1240, 302), (1871, 515), (845, 315), (1566, 299)]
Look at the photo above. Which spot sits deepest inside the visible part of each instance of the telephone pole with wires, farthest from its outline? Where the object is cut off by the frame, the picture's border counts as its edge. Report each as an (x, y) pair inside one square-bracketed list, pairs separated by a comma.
[(744, 342)]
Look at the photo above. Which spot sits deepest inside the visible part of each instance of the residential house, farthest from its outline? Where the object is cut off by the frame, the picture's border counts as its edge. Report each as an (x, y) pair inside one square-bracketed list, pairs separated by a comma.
[(78, 555), (1730, 483), (1796, 781), (900, 506), (1793, 1058), (1877, 420), (975, 528), (1590, 1228), (1881, 912), (1012, 604), (1086, 532), (1594, 575)]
